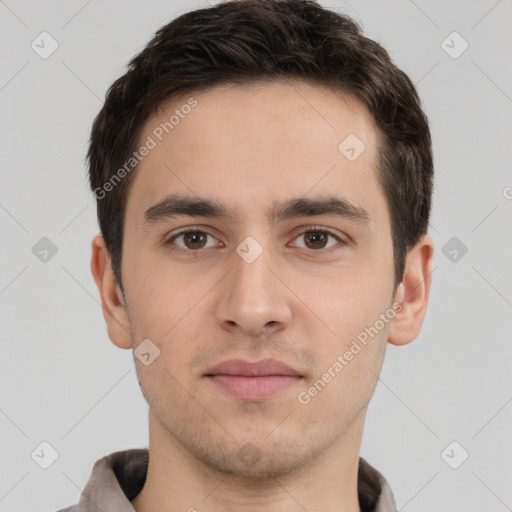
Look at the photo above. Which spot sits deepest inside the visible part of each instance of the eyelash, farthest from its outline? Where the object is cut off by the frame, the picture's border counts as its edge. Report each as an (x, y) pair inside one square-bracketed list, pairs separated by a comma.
[(308, 229)]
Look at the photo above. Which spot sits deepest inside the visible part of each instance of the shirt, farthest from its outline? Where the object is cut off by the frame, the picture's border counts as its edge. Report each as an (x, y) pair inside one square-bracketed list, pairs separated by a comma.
[(116, 479)]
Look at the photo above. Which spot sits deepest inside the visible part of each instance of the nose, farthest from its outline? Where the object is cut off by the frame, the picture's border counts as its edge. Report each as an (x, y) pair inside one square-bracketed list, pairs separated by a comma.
[(254, 301)]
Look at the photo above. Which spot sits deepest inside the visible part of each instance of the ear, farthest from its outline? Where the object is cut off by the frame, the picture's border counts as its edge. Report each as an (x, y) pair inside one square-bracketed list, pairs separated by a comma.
[(413, 293), (112, 300)]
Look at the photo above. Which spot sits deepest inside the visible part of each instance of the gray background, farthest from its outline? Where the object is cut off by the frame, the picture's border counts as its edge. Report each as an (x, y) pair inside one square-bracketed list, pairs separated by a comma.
[(62, 381)]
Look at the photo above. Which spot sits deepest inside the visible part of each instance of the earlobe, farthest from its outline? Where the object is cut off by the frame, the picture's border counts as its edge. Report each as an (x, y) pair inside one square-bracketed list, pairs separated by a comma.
[(413, 293), (112, 300)]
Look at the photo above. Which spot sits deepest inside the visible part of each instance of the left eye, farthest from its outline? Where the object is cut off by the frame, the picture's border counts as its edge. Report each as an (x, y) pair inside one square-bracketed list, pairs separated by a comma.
[(317, 239), (194, 240)]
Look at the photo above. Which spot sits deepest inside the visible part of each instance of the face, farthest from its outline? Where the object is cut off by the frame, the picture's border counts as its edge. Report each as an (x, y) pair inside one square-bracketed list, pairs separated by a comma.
[(295, 269)]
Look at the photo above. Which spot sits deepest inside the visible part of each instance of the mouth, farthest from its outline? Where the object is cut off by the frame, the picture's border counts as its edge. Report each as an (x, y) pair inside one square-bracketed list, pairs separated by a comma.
[(253, 381)]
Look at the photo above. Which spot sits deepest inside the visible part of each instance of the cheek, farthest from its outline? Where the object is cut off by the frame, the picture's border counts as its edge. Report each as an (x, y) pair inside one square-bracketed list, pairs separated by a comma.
[(346, 381), (351, 334), (162, 298), (342, 303)]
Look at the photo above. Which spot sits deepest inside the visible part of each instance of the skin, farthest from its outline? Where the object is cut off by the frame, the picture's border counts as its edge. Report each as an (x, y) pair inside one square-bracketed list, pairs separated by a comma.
[(248, 146)]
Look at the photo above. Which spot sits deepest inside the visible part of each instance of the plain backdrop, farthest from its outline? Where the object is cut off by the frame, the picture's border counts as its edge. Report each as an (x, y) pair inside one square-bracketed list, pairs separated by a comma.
[(64, 383)]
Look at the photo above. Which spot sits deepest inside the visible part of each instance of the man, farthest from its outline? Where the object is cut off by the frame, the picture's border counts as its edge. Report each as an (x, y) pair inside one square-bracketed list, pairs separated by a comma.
[(263, 176)]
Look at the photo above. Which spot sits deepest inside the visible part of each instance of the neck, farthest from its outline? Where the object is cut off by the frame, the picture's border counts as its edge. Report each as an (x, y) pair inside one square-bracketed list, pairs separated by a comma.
[(177, 481)]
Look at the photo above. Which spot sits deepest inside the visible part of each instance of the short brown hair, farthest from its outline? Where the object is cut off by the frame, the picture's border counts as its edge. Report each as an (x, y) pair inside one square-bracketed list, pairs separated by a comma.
[(244, 41)]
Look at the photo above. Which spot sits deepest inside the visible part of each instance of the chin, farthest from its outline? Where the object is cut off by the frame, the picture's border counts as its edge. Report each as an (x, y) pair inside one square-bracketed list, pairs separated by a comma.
[(254, 464)]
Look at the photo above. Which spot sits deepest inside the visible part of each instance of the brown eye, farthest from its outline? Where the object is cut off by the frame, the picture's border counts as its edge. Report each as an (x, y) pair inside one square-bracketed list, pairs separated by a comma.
[(191, 240), (194, 239), (316, 239)]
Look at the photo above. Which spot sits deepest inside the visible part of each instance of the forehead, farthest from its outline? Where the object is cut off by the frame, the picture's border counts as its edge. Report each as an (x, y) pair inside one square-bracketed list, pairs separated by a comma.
[(231, 117), (252, 143)]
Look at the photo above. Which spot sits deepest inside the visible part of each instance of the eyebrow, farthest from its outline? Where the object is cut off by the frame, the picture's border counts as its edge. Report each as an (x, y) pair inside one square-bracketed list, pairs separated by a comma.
[(176, 205)]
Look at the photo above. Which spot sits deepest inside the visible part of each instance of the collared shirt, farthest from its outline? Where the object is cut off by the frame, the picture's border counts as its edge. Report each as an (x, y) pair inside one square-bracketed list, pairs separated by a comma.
[(116, 479)]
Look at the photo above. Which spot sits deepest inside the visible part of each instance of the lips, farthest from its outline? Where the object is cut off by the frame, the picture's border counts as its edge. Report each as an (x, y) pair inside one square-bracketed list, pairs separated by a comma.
[(256, 369), (252, 381)]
